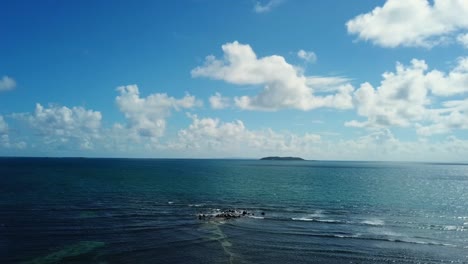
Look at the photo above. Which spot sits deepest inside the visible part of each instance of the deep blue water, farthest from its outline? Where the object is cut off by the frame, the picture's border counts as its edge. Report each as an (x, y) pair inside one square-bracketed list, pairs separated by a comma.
[(145, 211)]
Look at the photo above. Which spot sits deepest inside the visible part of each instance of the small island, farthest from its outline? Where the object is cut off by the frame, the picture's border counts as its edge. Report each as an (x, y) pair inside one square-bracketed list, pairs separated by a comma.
[(281, 158)]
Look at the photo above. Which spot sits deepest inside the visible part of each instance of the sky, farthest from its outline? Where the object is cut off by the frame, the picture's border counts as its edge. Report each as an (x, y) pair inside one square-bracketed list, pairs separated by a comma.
[(325, 80)]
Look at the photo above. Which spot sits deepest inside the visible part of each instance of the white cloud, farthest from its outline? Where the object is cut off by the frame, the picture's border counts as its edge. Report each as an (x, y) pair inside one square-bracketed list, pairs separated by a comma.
[(453, 115), (326, 84), (266, 7), (5, 141), (217, 101), (147, 116), (63, 126), (3, 126), (212, 137), (451, 83), (381, 144), (404, 99), (77, 128), (463, 40), (308, 56), (415, 23), (7, 83), (284, 85)]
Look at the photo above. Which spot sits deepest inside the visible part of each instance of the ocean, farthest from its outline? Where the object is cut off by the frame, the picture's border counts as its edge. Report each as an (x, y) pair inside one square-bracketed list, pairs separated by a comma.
[(77, 210)]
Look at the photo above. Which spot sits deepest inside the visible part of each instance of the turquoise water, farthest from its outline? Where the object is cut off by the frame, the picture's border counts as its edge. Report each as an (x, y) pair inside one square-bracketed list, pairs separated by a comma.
[(145, 211)]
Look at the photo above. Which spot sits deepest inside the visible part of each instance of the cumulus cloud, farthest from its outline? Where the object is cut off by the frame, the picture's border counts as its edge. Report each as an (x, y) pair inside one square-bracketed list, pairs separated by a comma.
[(147, 116), (326, 84), (217, 101), (308, 56), (7, 83), (404, 99), (267, 6), (63, 126), (463, 40), (381, 144), (3, 126), (453, 116), (284, 85), (417, 23), (5, 141), (449, 84), (211, 136)]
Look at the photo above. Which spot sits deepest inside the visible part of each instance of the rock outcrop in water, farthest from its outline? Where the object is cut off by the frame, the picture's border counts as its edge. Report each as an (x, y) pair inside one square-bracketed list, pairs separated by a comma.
[(225, 215), (281, 158)]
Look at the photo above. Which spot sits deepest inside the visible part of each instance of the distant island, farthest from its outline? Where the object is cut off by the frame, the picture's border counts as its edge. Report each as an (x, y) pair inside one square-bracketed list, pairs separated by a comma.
[(282, 158)]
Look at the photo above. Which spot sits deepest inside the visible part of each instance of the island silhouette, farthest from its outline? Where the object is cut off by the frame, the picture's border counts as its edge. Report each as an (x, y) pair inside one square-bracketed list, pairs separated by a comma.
[(281, 158)]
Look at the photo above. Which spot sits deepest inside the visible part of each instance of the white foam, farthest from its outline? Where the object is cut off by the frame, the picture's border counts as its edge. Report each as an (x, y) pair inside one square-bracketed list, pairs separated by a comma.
[(256, 217), (328, 220), (317, 214), (170, 202), (196, 205), (456, 228), (450, 228), (347, 236), (315, 219), (302, 219), (373, 222)]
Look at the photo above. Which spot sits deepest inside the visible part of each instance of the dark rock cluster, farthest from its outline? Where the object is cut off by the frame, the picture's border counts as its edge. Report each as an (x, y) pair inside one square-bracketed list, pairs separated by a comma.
[(226, 214)]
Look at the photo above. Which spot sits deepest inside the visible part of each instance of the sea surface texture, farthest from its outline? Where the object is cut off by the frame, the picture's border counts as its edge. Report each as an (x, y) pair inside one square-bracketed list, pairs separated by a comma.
[(146, 211)]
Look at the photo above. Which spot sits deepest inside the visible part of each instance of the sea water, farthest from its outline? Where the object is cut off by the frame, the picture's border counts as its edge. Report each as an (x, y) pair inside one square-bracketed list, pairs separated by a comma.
[(145, 211)]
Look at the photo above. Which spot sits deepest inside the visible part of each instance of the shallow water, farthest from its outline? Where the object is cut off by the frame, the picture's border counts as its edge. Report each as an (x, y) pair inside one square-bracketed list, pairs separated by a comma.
[(145, 211)]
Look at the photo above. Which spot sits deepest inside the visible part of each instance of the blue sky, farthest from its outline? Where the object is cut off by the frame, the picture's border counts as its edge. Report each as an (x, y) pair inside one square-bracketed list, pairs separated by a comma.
[(346, 80)]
